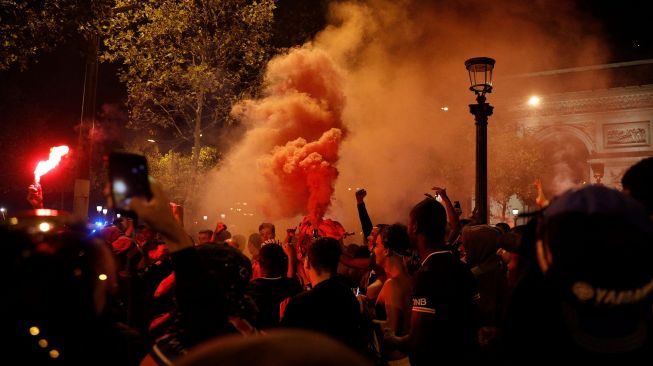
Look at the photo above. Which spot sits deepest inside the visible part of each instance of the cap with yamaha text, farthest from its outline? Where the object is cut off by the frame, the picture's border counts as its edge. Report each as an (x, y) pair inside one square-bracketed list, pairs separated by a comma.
[(601, 246)]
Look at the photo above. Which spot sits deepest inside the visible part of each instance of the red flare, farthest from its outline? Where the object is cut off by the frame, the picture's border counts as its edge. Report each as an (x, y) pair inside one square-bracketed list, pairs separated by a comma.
[(56, 153)]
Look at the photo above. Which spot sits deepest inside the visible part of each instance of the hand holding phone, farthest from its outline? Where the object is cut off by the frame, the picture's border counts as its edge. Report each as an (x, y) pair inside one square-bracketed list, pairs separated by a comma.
[(157, 214), (128, 177)]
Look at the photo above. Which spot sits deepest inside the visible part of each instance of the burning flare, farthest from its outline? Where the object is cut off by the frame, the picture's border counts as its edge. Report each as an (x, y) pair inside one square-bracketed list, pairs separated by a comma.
[(56, 153)]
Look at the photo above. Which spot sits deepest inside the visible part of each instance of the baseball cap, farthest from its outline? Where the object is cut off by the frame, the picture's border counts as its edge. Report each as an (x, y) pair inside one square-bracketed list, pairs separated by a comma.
[(601, 244)]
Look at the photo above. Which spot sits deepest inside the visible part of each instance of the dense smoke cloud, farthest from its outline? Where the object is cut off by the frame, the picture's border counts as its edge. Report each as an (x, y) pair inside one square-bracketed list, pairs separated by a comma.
[(300, 177), (292, 145), (390, 67)]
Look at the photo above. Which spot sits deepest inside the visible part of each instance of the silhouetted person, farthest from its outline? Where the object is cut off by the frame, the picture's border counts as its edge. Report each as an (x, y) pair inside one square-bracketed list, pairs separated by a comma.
[(57, 287), (273, 287), (329, 307), (444, 319), (638, 182), (592, 300)]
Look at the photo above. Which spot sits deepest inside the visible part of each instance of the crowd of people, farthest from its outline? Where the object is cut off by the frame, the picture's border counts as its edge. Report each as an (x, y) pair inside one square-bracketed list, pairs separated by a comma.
[(574, 282)]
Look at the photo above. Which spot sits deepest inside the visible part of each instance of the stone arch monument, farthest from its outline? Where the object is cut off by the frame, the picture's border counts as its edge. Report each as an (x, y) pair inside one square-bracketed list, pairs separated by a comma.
[(612, 125)]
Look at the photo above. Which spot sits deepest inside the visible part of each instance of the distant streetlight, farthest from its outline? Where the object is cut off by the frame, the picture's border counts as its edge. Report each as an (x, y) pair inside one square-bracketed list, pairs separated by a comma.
[(98, 209), (3, 210), (104, 211), (534, 101), (598, 169), (205, 217), (480, 71), (515, 213)]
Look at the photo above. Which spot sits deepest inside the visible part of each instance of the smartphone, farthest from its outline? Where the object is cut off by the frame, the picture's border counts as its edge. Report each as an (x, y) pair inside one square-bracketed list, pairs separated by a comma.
[(457, 208), (128, 177)]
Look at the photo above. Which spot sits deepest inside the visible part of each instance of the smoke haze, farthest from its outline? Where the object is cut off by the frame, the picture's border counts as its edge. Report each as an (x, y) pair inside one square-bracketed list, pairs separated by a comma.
[(361, 106)]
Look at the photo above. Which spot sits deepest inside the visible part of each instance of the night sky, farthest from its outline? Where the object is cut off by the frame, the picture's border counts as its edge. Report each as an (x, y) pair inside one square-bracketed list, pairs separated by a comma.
[(41, 106)]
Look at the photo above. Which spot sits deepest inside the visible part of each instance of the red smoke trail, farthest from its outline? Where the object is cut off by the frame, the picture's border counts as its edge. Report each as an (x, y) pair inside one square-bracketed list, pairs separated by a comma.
[(301, 174), (56, 153), (298, 128)]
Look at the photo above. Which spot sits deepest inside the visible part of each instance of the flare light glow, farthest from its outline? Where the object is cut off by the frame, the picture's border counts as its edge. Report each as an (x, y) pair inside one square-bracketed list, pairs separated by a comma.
[(44, 166)]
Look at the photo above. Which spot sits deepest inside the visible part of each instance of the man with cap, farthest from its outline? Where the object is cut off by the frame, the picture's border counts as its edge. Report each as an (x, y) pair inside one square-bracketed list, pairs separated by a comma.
[(591, 298)]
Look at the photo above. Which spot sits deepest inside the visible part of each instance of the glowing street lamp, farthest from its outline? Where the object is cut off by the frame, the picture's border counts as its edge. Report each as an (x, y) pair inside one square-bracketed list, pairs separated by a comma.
[(534, 101), (3, 210), (480, 71), (598, 169), (98, 209), (515, 213)]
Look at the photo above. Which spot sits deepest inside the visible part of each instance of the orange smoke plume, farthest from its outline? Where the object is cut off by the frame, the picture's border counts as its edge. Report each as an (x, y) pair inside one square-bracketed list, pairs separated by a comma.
[(44, 166), (297, 128), (301, 174)]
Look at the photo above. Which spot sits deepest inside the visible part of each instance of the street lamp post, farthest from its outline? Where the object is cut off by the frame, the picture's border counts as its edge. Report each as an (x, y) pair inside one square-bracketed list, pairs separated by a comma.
[(515, 213), (598, 169), (480, 77)]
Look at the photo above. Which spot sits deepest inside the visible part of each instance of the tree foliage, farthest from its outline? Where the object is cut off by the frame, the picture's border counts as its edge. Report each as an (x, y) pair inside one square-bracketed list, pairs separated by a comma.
[(185, 62), (173, 169), (30, 27), (514, 163)]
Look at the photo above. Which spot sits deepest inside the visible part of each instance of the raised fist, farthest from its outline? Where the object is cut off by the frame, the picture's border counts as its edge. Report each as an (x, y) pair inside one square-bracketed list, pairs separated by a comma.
[(360, 195)]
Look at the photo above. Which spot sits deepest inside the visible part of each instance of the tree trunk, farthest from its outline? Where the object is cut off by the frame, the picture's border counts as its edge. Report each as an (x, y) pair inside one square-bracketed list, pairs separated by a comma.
[(197, 146)]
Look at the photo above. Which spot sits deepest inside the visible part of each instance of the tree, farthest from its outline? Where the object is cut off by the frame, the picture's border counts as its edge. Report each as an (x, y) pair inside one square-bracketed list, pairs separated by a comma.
[(173, 169), (187, 61), (514, 163), (30, 27)]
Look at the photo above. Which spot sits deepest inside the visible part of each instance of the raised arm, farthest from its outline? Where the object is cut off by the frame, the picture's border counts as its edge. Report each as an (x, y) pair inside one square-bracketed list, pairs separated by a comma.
[(219, 228), (540, 200), (452, 218), (288, 246), (366, 222), (157, 214)]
